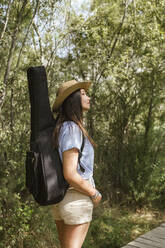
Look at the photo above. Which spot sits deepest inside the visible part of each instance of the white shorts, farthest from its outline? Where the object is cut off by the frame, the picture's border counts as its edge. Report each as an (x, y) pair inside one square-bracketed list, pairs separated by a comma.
[(76, 208)]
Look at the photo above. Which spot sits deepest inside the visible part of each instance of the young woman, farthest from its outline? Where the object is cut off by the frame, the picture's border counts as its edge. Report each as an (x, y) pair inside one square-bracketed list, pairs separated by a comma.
[(74, 213)]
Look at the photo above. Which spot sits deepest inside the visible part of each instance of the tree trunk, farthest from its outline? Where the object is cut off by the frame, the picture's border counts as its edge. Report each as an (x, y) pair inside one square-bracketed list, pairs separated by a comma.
[(13, 42), (11, 52), (7, 18)]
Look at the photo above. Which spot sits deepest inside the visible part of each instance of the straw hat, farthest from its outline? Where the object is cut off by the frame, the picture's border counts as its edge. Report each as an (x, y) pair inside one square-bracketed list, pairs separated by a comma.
[(66, 89)]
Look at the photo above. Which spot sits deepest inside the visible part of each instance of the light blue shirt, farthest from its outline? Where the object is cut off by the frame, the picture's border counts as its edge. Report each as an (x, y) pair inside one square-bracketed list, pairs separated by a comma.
[(70, 136)]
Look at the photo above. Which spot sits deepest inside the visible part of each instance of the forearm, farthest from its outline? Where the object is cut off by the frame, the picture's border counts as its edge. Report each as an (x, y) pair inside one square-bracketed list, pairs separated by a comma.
[(81, 184)]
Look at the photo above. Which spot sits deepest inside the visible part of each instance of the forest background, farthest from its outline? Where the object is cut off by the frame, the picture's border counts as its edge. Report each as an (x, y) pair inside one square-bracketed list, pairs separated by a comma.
[(119, 45)]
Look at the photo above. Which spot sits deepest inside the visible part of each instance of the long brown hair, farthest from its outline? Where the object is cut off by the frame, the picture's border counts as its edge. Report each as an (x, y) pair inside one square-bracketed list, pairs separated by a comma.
[(71, 110)]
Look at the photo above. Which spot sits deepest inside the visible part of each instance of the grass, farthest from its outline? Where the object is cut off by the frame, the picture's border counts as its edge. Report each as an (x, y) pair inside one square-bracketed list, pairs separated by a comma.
[(114, 227)]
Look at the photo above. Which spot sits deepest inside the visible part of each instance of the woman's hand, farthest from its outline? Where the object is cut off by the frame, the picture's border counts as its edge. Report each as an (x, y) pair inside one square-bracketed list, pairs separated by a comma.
[(96, 198)]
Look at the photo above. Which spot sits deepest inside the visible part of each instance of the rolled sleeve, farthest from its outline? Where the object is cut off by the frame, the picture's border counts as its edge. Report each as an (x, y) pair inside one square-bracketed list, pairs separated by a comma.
[(70, 136)]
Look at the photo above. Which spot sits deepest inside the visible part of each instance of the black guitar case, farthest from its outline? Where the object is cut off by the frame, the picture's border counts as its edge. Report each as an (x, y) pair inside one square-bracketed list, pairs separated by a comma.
[(44, 173), (41, 115)]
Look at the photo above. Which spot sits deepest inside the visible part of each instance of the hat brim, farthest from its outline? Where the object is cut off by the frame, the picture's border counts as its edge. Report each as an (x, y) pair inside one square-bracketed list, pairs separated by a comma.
[(61, 98)]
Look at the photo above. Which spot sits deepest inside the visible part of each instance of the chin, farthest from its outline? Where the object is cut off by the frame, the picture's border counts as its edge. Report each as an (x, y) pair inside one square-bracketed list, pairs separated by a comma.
[(86, 109)]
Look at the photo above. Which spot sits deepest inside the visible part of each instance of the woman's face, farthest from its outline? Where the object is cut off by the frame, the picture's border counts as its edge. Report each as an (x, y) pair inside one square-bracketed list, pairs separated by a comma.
[(85, 100)]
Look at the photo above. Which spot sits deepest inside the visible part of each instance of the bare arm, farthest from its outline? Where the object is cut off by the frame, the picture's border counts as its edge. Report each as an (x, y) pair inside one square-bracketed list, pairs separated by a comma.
[(70, 160)]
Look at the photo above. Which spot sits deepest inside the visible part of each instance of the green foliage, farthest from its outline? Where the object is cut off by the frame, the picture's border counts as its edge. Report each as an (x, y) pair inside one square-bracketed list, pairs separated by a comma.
[(120, 48), (116, 49)]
